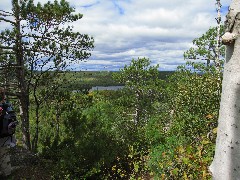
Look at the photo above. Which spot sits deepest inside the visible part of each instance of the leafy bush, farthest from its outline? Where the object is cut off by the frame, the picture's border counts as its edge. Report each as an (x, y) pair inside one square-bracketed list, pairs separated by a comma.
[(184, 128)]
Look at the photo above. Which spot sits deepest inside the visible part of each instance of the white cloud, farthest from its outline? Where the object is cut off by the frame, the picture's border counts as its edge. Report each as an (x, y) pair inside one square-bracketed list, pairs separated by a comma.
[(124, 29)]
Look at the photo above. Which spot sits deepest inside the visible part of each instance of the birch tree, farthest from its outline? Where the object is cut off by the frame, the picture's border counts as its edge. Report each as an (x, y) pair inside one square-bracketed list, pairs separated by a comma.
[(209, 46), (226, 163)]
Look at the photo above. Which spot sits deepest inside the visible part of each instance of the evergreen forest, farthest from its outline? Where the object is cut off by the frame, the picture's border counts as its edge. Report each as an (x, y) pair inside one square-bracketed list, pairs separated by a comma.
[(160, 125), (150, 129)]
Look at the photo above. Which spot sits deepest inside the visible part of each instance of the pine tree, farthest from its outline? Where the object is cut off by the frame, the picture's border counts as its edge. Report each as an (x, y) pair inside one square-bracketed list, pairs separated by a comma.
[(39, 45)]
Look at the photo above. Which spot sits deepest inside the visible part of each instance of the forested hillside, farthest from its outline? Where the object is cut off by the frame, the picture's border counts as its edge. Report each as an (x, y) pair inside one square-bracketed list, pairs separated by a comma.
[(161, 125), (85, 80), (152, 128)]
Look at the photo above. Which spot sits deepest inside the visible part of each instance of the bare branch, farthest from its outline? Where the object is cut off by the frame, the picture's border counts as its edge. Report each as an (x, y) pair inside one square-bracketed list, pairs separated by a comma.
[(6, 47), (7, 20), (9, 66), (17, 94), (5, 15), (2, 53), (10, 14)]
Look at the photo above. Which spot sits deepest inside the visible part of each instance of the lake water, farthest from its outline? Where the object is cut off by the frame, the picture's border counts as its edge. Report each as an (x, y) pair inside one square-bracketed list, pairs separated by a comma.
[(100, 88)]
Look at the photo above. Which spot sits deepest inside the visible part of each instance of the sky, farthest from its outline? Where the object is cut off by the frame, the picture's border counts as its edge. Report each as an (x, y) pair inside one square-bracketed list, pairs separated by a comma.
[(161, 30)]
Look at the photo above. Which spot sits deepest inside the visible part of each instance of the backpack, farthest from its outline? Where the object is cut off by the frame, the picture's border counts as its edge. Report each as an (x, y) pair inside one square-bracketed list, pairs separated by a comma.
[(8, 120)]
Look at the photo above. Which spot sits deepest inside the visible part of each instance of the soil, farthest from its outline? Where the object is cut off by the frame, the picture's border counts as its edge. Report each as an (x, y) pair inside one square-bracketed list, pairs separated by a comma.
[(28, 166)]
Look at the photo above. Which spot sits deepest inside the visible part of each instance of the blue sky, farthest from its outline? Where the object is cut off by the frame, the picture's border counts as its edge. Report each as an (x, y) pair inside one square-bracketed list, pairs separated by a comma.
[(160, 30)]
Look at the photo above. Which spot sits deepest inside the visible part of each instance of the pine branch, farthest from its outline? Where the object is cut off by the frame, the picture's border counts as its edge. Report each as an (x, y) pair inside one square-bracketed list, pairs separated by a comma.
[(9, 66), (6, 47), (9, 14), (3, 53), (7, 20)]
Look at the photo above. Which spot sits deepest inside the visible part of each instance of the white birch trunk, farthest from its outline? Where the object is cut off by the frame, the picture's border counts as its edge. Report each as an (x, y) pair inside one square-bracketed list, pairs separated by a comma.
[(226, 163)]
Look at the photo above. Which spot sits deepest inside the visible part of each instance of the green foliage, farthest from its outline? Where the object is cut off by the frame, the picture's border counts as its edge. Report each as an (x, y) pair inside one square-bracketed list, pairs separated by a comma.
[(85, 80), (205, 46), (174, 161), (43, 36), (194, 96), (94, 135), (40, 44), (182, 135), (150, 129), (142, 80), (138, 74), (185, 129)]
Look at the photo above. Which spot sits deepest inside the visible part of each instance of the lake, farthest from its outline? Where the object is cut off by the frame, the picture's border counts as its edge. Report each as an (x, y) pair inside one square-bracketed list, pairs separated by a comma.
[(100, 88)]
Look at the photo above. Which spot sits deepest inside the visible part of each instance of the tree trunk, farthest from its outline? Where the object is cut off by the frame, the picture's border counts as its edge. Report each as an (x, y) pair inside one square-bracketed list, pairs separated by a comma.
[(35, 139), (226, 163), (24, 95), (25, 121)]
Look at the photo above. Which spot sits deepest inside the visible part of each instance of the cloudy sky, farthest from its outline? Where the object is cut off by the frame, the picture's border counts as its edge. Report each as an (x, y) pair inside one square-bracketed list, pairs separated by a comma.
[(160, 30)]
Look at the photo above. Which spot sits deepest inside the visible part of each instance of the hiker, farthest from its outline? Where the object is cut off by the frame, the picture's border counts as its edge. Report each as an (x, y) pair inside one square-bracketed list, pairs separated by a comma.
[(7, 138)]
